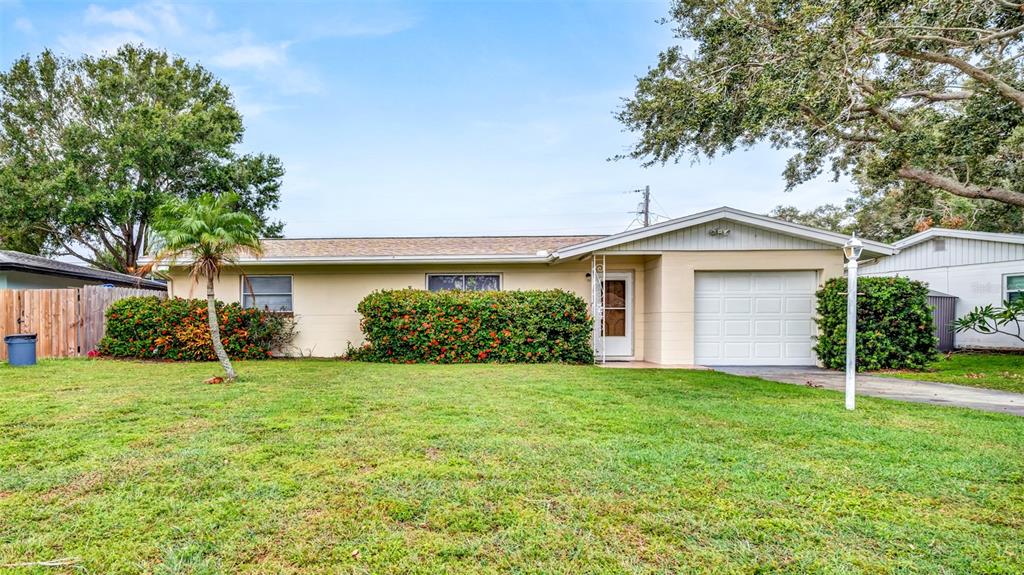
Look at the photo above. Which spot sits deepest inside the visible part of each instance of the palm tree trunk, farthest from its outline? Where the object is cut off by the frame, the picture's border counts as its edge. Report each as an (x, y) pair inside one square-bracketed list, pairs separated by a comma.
[(218, 345)]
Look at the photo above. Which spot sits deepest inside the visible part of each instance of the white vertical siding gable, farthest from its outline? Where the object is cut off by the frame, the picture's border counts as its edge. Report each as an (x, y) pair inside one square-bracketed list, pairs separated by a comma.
[(957, 252), (708, 237)]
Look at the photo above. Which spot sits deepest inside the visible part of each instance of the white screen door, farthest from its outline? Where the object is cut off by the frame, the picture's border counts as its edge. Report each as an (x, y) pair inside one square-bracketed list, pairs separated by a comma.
[(617, 327)]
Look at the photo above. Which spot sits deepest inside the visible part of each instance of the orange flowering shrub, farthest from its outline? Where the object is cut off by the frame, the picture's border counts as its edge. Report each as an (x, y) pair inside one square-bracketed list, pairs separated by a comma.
[(416, 326), (178, 329)]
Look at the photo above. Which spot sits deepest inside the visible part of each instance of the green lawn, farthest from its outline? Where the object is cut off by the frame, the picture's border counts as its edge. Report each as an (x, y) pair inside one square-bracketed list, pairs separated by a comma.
[(328, 467), (993, 370)]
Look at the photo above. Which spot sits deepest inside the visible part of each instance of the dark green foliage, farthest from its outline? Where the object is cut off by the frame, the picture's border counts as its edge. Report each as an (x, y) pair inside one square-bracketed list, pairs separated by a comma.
[(90, 148), (896, 94), (410, 326), (151, 328), (894, 324)]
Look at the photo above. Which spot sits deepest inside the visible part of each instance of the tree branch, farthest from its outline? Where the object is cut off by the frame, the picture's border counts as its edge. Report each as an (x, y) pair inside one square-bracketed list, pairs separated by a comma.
[(937, 96), (969, 69), (958, 188)]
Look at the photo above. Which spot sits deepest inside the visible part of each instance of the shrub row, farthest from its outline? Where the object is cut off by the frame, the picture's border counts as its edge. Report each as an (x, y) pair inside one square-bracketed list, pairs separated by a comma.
[(895, 329), (411, 326), (178, 329)]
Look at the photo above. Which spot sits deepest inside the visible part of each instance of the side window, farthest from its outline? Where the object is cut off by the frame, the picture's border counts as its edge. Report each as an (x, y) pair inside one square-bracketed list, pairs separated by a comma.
[(468, 282), (269, 292), (1014, 288)]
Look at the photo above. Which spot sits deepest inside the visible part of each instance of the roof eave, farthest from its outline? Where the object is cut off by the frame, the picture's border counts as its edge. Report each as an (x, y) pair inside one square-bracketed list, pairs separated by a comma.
[(376, 260), (42, 270)]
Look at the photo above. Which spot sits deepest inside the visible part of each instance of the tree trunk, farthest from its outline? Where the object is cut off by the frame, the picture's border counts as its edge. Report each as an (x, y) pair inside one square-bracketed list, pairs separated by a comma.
[(218, 345)]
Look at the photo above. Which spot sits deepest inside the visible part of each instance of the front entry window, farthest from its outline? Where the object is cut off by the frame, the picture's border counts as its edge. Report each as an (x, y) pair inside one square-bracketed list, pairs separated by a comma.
[(614, 308)]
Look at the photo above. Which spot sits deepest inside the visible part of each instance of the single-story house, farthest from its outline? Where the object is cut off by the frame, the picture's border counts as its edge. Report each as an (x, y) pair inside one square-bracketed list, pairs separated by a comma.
[(978, 268), (721, 287), (23, 271)]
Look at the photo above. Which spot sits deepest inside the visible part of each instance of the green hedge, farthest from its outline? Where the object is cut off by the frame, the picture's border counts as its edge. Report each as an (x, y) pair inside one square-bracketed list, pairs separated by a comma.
[(894, 324), (416, 326), (178, 329)]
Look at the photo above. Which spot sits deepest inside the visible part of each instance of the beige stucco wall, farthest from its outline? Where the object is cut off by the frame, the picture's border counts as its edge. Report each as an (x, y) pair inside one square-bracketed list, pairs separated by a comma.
[(324, 298), (670, 290)]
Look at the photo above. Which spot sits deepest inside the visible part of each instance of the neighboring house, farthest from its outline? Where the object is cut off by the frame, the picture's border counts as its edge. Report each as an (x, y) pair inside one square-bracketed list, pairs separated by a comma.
[(24, 271), (722, 287), (978, 268)]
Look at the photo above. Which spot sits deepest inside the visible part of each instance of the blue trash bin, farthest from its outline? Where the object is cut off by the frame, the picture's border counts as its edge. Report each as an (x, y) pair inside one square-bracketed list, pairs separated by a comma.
[(21, 349)]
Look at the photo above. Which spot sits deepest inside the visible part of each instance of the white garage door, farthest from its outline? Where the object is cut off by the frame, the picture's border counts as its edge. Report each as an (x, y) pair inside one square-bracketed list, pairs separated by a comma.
[(754, 318)]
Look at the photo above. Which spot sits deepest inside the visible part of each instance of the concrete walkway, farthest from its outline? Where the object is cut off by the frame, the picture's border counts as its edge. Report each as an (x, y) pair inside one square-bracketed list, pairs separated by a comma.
[(892, 388)]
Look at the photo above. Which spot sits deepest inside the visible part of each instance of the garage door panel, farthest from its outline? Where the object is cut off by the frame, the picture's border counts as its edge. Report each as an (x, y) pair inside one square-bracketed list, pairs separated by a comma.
[(707, 305), (798, 349), (754, 318), (767, 350), (801, 282), (712, 328), (766, 327), (800, 305), (734, 305), (741, 328), (709, 350), (708, 284), (798, 327), (736, 350), (736, 283), (768, 305), (768, 282)]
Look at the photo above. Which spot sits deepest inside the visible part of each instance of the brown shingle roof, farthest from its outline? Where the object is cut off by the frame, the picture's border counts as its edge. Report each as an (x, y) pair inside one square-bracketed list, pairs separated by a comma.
[(432, 246)]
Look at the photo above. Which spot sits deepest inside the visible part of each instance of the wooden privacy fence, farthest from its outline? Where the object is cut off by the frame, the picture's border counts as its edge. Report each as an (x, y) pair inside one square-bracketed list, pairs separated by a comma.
[(67, 322)]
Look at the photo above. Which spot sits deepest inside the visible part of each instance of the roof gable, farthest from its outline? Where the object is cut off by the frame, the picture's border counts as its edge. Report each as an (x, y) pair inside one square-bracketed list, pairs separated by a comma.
[(931, 233), (706, 231), (939, 248)]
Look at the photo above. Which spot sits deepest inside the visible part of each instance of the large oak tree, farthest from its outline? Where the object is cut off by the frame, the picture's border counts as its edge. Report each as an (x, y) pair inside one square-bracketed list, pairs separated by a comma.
[(91, 147), (902, 95)]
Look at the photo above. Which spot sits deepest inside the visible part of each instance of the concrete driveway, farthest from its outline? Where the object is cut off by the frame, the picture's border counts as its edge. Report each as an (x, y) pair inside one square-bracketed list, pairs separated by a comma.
[(892, 388)]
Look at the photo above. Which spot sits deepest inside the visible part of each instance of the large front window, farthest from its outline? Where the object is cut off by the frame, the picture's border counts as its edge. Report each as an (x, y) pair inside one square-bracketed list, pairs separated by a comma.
[(468, 282), (267, 292)]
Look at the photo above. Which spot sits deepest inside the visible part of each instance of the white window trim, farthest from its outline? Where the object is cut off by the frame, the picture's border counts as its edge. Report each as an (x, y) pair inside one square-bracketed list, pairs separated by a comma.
[(1006, 285), (501, 277), (291, 281)]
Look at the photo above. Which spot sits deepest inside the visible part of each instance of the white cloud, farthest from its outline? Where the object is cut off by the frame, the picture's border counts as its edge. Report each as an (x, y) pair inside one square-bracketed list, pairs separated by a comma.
[(195, 32), (24, 25), (251, 56), (350, 28), (124, 18)]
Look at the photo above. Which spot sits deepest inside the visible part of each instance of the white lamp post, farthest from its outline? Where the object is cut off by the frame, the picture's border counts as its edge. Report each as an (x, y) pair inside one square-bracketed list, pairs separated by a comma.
[(851, 250)]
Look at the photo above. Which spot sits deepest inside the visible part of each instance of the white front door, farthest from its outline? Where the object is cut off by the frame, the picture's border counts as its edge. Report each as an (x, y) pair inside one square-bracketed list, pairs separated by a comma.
[(754, 318), (617, 327)]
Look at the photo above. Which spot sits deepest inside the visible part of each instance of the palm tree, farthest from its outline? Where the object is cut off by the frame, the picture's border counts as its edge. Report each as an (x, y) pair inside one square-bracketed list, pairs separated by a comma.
[(209, 233)]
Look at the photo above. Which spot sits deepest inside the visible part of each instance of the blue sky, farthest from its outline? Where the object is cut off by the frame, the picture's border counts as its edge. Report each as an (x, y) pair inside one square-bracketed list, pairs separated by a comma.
[(418, 118)]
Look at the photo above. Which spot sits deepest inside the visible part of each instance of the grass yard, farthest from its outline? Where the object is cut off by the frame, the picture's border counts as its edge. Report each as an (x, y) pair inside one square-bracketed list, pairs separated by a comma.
[(326, 467), (992, 370)]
